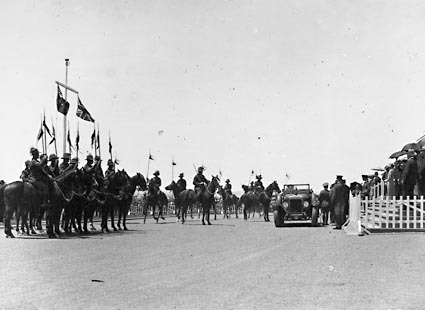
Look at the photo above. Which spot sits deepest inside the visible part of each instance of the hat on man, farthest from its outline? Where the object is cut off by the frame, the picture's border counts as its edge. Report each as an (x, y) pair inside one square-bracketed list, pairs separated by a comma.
[(227, 181), (66, 156), (97, 158), (33, 150), (326, 184), (201, 169), (181, 175), (259, 177), (339, 177), (365, 176), (156, 173), (89, 157), (52, 157), (110, 162)]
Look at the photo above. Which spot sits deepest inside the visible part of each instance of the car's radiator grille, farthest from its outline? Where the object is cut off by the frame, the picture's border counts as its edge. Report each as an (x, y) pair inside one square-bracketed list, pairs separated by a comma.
[(295, 206)]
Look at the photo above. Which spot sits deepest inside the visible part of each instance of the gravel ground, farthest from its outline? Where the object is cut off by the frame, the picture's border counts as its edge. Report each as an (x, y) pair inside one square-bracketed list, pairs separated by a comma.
[(232, 264)]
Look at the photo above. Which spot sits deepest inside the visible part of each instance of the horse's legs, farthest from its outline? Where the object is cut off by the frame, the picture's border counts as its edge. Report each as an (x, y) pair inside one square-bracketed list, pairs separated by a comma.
[(8, 213), (208, 213)]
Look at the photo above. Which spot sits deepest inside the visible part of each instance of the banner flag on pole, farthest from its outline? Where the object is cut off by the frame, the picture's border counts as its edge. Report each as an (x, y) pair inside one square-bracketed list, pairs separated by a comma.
[(61, 103), (69, 139), (45, 127), (40, 133), (53, 135), (173, 163), (110, 147), (150, 156), (83, 113), (93, 137), (77, 140), (98, 139)]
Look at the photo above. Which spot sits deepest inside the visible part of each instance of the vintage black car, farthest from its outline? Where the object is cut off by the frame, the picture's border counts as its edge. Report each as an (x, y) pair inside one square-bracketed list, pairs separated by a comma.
[(295, 202)]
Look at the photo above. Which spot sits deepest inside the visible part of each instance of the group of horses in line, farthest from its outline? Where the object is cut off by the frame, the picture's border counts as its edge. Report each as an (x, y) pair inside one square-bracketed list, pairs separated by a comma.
[(74, 199)]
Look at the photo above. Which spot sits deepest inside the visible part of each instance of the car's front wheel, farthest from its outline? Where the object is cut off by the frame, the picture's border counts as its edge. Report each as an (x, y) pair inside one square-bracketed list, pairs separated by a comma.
[(278, 216), (314, 215)]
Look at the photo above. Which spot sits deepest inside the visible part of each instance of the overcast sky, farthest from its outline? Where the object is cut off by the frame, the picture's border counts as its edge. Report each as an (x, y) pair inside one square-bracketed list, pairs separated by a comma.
[(306, 88)]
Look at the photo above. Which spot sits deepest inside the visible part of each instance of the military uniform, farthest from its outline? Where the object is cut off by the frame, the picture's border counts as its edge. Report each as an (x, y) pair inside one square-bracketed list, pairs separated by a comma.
[(181, 183), (324, 202), (228, 187), (110, 172), (200, 182), (65, 163), (339, 197)]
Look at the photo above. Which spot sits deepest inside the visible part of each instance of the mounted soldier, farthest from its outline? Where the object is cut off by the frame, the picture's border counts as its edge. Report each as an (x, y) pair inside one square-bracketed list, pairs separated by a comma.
[(90, 169), (258, 185), (26, 172), (98, 172), (200, 182), (110, 172), (155, 184), (38, 176), (65, 162), (228, 188), (53, 168), (181, 183)]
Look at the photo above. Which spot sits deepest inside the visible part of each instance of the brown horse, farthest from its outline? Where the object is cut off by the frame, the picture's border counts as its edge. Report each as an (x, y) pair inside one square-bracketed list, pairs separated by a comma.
[(265, 198), (157, 202), (124, 205), (182, 200), (23, 198), (206, 198)]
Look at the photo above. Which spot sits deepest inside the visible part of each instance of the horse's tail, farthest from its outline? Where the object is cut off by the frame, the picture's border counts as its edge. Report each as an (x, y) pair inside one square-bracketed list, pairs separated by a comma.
[(2, 203)]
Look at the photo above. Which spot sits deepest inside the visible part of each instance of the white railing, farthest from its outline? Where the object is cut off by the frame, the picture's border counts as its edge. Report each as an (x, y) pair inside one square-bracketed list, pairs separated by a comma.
[(385, 213)]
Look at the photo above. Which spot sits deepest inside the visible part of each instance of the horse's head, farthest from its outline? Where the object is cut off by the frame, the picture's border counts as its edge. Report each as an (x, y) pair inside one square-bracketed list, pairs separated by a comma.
[(172, 186), (141, 181), (275, 187)]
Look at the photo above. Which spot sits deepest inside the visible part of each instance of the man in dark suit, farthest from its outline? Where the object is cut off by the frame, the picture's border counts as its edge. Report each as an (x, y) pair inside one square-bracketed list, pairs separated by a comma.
[(324, 201), (409, 174), (339, 197)]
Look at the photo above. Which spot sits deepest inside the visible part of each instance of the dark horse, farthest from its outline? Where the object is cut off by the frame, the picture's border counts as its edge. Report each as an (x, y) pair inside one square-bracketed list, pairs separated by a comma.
[(156, 201), (266, 197), (182, 200), (228, 200), (252, 200), (114, 195), (22, 198), (206, 198), (124, 205)]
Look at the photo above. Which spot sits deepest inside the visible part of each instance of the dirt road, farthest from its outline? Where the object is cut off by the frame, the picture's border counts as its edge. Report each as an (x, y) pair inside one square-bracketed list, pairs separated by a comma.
[(232, 264)]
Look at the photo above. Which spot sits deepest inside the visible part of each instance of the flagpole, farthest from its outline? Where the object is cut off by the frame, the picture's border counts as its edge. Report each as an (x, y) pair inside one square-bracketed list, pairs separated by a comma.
[(69, 134), (98, 142), (66, 99), (77, 142), (149, 161), (95, 140), (42, 137), (45, 136), (54, 137), (172, 168), (110, 148)]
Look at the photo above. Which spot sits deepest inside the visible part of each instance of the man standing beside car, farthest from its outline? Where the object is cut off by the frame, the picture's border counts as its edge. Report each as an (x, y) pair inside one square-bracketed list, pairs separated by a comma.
[(324, 203), (339, 199)]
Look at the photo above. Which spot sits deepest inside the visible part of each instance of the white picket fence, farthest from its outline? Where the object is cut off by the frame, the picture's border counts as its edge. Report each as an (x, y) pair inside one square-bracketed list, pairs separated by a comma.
[(385, 213)]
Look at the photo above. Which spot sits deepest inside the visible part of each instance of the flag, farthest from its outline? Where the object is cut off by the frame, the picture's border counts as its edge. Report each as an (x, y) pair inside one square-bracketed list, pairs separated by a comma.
[(252, 172), (93, 137), (69, 139), (61, 103), (98, 139), (53, 140), (150, 156), (83, 113), (116, 162), (77, 140), (45, 127), (110, 146), (40, 134), (173, 163)]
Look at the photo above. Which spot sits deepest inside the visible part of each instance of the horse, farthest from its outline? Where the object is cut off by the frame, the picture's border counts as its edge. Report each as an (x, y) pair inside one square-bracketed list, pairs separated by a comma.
[(173, 186), (250, 202), (124, 205), (22, 198), (157, 202), (226, 201), (265, 198), (206, 198), (183, 199), (114, 195)]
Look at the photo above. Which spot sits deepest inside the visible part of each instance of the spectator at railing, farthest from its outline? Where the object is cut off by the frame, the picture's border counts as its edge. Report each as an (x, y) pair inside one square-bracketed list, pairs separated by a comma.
[(366, 186), (409, 174), (421, 173), (398, 168), (391, 182)]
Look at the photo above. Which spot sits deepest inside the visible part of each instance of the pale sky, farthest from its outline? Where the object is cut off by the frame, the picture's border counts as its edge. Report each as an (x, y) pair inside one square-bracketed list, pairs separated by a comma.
[(308, 88)]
